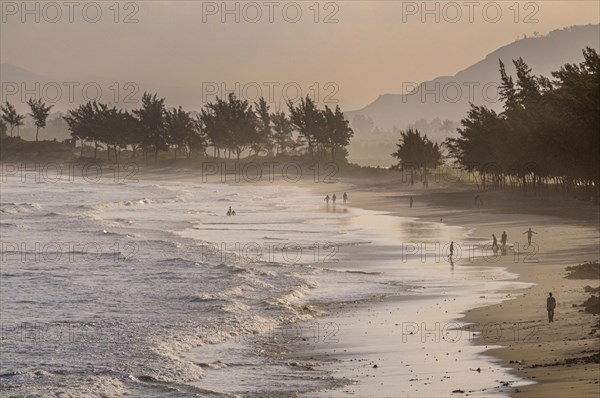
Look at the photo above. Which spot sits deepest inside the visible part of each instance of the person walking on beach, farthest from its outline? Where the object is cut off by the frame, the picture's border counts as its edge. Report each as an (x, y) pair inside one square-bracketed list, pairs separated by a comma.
[(410, 201), (451, 250), (550, 306), (494, 243), (503, 240), (345, 197), (333, 198), (529, 233), (327, 199)]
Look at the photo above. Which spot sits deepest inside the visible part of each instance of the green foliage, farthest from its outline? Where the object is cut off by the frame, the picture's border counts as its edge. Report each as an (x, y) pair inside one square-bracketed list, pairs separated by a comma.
[(321, 129), (151, 117), (39, 113), (11, 117), (184, 132), (416, 152), (228, 125), (548, 130)]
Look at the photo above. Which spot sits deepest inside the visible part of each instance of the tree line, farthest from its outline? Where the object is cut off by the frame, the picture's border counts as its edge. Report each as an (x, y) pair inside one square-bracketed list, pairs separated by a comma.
[(548, 133), (229, 126)]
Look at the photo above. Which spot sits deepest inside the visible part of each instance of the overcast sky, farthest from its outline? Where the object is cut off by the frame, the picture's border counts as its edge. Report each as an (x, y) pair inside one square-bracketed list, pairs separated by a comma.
[(368, 48)]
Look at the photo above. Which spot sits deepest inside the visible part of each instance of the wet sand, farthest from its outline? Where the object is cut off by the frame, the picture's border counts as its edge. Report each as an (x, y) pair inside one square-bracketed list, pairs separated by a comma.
[(518, 333), (510, 326)]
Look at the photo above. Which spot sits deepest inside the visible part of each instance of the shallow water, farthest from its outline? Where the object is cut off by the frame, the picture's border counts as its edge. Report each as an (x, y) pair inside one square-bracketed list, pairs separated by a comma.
[(149, 289)]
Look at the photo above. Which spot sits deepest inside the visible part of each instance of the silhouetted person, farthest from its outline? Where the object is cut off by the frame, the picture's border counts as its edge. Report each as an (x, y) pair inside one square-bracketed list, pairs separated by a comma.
[(345, 197), (503, 239), (494, 243), (451, 250), (327, 199), (410, 201), (233, 212), (529, 233), (333, 198), (229, 211), (550, 306)]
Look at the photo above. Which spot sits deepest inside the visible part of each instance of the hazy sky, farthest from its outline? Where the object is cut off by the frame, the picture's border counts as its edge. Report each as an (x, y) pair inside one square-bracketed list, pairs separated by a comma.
[(368, 48)]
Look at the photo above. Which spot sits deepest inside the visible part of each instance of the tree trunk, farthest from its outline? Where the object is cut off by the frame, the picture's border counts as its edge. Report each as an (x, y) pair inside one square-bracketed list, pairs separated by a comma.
[(37, 131)]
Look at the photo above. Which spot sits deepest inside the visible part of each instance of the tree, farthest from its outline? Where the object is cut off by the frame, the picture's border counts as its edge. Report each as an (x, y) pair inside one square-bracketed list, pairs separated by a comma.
[(575, 101), (82, 124), (152, 124), (547, 131), (39, 113), (264, 133), (11, 117), (182, 130), (282, 127), (337, 131), (230, 124), (97, 122), (308, 121), (416, 152)]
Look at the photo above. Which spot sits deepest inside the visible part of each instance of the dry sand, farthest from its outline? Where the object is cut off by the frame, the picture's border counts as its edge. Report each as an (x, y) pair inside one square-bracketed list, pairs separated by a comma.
[(567, 234)]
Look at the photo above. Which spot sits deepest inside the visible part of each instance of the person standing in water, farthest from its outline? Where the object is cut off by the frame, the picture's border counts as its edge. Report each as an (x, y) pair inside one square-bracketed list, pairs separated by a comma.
[(494, 243), (345, 197), (451, 250), (410, 201), (333, 198), (503, 240), (327, 199), (550, 306), (229, 211), (529, 233)]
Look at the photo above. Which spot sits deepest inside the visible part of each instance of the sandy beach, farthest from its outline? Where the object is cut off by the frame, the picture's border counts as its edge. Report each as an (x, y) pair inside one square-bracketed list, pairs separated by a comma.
[(560, 358), (511, 326)]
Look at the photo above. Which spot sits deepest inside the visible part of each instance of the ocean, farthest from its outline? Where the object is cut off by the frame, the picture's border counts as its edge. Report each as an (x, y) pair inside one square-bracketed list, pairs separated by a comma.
[(149, 289)]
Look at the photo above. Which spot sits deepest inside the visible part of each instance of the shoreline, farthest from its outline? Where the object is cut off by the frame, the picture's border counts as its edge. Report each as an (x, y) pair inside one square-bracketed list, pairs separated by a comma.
[(546, 355), (568, 235)]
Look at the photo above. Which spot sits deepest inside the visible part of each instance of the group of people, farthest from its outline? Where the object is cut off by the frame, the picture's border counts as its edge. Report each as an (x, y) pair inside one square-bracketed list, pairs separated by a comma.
[(504, 239), (333, 198), (230, 212), (550, 301)]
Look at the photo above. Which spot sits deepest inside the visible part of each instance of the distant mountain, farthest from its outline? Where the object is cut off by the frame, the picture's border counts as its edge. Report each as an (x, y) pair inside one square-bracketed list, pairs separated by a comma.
[(448, 97)]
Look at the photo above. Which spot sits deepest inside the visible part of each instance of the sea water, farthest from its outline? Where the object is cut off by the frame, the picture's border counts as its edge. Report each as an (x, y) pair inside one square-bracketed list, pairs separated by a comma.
[(150, 289)]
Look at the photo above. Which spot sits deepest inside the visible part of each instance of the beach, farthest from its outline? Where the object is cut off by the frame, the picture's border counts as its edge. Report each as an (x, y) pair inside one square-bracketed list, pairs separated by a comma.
[(515, 332), (363, 301)]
